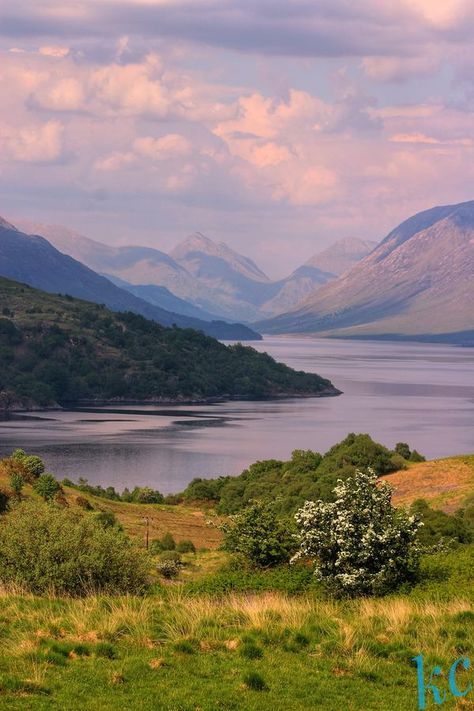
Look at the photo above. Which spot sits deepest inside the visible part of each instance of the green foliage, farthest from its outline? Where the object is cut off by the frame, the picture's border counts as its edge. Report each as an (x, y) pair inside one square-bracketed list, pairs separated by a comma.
[(167, 542), (62, 350), (47, 486), (33, 466), (18, 455), (259, 535), (45, 548), (185, 546), (106, 519), (17, 483), (360, 544), (439, 527), (403, 449), (417, 457), (291, 580), (307, 476)]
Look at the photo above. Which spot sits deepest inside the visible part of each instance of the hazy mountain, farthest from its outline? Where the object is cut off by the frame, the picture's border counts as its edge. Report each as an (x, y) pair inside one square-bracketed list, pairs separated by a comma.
[(202, 274), (290, 291), (342, 255), (135, 265), (162, 297), (31, 259), (418, 282)]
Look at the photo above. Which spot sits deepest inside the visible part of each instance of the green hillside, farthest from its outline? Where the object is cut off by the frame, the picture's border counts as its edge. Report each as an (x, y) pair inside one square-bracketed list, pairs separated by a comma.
[(60, 349)]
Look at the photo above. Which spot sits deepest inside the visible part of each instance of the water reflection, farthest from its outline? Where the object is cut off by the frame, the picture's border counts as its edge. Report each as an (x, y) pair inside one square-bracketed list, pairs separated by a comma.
[(420, 393)]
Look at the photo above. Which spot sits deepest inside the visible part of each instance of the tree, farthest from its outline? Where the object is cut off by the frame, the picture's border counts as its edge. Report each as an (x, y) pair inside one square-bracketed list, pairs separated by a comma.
[(33, 465), (360, 544), (47, 486), (403, 449), (259, 535), (16, 482)]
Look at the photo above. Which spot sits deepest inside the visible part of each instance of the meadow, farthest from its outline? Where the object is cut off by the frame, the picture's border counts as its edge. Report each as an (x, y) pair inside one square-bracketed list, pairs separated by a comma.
[(219, 637)]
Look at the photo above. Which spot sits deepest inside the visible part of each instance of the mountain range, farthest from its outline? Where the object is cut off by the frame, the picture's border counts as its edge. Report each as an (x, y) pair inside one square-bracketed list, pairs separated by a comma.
[(209, 276), (32, 260), (418, 283)]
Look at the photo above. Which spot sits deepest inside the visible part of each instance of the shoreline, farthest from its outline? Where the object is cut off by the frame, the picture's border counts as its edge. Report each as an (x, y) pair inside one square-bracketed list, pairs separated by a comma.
[(80, 404)]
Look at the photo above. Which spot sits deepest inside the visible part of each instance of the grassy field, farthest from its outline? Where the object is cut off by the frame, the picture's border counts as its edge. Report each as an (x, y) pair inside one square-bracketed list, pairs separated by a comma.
[(179, 652), (190, 646)]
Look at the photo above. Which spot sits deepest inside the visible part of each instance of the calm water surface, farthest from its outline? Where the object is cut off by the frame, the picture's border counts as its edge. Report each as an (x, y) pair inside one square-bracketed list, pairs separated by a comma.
[(423, 394)]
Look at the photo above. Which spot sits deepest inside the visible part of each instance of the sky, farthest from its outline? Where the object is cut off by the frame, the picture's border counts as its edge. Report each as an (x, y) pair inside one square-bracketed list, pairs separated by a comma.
[(276, 126)]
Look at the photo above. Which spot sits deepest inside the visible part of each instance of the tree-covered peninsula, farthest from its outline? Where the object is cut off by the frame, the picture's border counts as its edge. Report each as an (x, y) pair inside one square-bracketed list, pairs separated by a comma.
[(58, 349)]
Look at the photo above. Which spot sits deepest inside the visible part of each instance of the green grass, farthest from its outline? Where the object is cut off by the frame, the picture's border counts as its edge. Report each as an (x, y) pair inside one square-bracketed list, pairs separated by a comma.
[(180, 652)]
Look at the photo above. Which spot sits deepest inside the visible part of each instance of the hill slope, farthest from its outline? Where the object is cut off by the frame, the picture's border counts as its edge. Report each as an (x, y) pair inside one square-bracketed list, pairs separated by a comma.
[(59, 349), (342, 255), (418, 282), (33, 260)]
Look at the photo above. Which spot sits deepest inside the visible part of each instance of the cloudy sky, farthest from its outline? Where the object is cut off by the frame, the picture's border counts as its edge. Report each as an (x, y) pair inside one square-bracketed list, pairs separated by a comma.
[(277, 126)]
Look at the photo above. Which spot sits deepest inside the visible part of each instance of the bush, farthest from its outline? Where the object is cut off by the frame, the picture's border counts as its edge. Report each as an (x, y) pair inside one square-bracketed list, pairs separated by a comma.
[(259, 535), (33, 466), (106, 519), (360, 543), (16, 482), (47, 549), (417, 457), (47, 486), (169, 568), (167, 542), (403, 449), (186, 547), (18, 455)]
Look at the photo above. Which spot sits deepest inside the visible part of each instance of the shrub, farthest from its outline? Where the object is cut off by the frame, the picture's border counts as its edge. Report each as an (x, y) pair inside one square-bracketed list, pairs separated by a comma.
[(403, 449), (417, 457), (106, 519), (145, 495), (259, 535), (167, 542), (18, 455), (16, 482), (185, 547), (169, 568), (360, 543), (47, 486), (45, 548), (33, 466)]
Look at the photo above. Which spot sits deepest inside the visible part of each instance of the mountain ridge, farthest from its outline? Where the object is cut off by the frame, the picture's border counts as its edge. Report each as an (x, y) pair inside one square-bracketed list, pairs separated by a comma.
[(418, 280), (33, 260)]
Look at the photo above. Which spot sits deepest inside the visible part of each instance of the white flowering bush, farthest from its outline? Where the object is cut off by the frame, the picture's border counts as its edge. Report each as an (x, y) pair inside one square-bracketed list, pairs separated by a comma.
[(360, 544)]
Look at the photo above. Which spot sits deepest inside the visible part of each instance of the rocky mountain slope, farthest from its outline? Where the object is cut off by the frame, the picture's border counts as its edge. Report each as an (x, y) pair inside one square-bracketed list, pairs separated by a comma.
[(342, 255), (418, 283)]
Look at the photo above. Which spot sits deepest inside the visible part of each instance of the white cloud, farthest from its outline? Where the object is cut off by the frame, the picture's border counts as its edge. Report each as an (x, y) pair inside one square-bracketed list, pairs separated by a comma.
[(32, 144)]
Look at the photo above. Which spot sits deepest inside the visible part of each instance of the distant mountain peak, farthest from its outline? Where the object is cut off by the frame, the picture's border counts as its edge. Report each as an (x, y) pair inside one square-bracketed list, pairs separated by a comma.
[(5, 225), (199, 244)]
